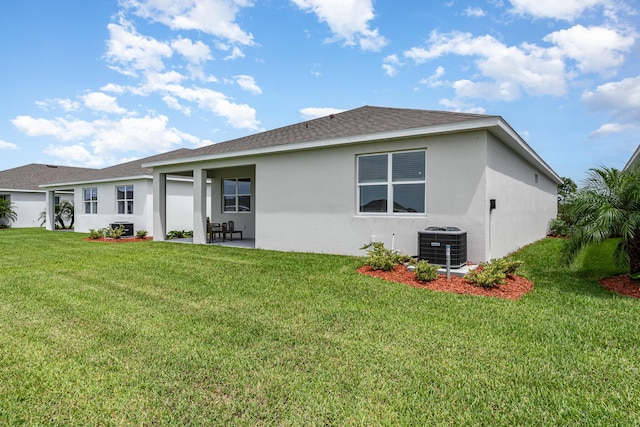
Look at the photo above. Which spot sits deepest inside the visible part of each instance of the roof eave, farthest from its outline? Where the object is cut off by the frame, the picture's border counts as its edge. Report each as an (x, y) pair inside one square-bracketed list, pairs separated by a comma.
[(633, 159), (96, 181)]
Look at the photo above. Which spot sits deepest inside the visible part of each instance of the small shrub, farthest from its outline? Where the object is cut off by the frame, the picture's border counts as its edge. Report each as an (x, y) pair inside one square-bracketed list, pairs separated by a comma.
[(381, 258), (559, 228), (494, 272), (426, 272), (116, 232), (95, 234), (141, 234), (179, 234)]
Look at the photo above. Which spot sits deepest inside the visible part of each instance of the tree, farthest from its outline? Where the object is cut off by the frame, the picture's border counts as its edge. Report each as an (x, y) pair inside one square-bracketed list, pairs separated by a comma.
[(63, 212), (6, 211), (607, 206)]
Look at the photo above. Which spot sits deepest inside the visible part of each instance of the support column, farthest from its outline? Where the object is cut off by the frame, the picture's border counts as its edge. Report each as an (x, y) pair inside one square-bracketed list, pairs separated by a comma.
[(159, 206), (199, 206), (50, 210)]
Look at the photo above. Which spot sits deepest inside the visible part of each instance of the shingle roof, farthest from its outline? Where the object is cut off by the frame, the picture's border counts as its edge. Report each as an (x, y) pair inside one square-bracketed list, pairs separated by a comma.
[(31, 176), (360, 121), (129, 169)]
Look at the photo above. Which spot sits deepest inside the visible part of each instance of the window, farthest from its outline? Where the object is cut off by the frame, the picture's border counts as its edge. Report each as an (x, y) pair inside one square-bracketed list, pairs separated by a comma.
[(90, 198), (392, 182), (124, 199), (236, 195)]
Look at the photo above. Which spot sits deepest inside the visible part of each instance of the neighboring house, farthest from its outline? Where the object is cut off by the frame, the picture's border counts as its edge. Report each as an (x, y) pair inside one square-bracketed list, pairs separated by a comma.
[(634, 160), (335, 183), (21, 186), (124, 194)]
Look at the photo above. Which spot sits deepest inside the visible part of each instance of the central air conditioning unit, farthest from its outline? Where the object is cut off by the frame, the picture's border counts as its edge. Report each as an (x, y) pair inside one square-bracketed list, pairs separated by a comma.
[(128, 228), (432, 246)]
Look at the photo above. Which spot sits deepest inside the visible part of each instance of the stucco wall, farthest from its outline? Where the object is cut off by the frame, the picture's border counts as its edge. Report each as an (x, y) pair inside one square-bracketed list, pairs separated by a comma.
[(29, 205), (306, 201), (525, 200)]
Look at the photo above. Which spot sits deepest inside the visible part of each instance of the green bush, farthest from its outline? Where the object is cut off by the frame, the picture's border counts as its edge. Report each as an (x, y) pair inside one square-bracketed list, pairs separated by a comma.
[(141, 234), (426, 272), (179, 234), (381, 258), (115, 232), (559, 228), (95, 234), (494, 272)]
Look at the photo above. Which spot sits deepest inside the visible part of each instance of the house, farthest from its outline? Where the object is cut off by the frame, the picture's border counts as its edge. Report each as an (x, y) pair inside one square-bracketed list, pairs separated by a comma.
[(21, 186), (634, 160), (123, 194), (332, 184)]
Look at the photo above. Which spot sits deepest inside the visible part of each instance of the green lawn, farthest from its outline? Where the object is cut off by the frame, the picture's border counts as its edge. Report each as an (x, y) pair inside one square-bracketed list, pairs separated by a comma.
[(163, 333)]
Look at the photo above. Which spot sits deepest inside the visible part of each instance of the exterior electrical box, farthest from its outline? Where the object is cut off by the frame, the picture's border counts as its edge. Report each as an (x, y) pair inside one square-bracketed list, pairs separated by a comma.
[(128, 227), (432, 246)]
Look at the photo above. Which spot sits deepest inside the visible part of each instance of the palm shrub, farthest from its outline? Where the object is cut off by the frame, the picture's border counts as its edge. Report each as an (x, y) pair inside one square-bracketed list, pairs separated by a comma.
[(7, 212), (607, 206), (381, 258)]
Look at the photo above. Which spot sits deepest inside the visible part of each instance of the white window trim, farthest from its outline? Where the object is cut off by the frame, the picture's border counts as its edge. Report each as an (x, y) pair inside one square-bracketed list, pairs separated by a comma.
[(125, 200), (93, 203), (237, 195), (389, 183)]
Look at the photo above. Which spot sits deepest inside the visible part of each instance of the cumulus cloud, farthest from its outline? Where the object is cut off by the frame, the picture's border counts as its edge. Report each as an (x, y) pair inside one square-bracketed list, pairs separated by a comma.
[(568, 10), (510, 70), (75, 155), (474, 12), (132, 52), (248, 83), (195, 53), (99, 101), (622, 97), (4, 145), (613, 128), (434, 79), (596, 49), (390, 65), (348, 21), (315, 112), (214, 17)]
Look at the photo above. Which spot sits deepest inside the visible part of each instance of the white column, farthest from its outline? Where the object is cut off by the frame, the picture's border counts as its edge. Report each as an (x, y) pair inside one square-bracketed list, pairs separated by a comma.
[(159, 206), (50, 209), (199, 206)]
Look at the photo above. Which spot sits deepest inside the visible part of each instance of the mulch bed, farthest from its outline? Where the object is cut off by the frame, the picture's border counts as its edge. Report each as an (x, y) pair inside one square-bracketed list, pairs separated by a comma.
[(121, 240), (513, 288), (623, 285)]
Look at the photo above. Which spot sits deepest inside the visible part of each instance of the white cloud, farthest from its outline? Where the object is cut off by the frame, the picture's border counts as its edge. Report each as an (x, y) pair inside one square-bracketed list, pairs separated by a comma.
[(348, 21), (509, 69), (434, 79), (134, 52), (390, 65), (622, 97), (568, 10), (461, 106), (596, 49), (214, 17), (112, 87), (248, 83), (75, 155), (474, 12), (59, 128), (613, 128), (99, 101), (4, 145), (195, 53), (315, 112)]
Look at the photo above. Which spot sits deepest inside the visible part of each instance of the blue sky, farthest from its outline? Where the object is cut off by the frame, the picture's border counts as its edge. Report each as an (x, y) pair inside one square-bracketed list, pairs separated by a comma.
[(94, 83)]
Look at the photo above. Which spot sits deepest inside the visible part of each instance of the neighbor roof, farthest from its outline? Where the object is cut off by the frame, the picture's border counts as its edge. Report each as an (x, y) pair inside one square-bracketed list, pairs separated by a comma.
[(31, 176), (124, 170), (635, 158)]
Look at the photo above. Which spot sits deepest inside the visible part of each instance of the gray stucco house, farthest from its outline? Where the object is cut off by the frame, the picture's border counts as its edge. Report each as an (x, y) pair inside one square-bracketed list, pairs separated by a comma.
[(21, 186), (335, 183)]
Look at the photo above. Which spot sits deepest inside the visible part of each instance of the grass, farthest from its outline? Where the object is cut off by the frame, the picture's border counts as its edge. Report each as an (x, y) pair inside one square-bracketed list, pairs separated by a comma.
[(172, 334)]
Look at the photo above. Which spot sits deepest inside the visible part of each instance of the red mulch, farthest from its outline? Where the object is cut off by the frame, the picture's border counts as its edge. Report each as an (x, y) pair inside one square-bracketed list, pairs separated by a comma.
[(623, 285), (122, 240), (513, 288)]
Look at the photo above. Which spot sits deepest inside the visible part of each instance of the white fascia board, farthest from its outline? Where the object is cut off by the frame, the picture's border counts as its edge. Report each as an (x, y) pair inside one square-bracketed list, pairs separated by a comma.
[(470, 125), (635, 157), (15, 190), (511, 138), (96, 181)]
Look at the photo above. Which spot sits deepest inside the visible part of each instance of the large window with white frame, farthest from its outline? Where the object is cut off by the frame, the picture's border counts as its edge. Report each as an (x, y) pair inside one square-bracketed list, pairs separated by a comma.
[(90, 198), (124, 199), (236, 195), (392, 183)]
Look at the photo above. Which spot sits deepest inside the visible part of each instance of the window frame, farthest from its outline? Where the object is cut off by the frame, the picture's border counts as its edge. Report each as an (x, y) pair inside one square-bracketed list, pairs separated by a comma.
[(389, 183), (125, 201), (90, 204), (237, 195)]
